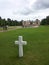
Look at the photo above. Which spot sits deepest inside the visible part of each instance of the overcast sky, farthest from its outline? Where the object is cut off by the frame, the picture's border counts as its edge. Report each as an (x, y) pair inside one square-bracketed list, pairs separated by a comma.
[(24, 9)]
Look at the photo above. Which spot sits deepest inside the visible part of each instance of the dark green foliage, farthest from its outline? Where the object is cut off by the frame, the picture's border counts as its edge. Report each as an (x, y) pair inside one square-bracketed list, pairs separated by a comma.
[(47, 18), (45, 21), (10, 22)]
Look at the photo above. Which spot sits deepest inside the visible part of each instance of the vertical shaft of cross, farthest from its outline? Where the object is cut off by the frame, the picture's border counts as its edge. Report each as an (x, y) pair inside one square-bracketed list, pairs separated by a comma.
[(20, 51), (20, 46)]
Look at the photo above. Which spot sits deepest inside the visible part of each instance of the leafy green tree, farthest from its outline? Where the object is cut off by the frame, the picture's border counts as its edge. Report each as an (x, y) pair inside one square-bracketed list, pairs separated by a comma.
[(0, 21), (47, 18), (9, 21), (4, 23), (43, 22)]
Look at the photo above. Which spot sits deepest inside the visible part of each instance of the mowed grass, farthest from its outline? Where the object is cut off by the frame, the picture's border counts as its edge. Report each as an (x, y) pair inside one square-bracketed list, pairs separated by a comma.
[(36, 52)]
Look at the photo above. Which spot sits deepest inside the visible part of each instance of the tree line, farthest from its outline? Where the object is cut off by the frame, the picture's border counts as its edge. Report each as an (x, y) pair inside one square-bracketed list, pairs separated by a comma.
[(45, 21), (9, 22)]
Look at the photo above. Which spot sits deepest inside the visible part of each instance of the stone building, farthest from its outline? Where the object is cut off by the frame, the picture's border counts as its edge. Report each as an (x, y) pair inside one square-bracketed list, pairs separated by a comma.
[(36, 22), (28, 23)]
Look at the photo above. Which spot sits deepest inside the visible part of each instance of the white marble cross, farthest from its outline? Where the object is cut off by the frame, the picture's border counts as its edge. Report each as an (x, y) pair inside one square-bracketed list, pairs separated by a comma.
[(20, 42)]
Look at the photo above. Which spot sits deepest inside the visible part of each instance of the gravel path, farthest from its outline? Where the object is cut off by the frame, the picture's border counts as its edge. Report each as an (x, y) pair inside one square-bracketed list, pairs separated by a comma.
[(11, 28)]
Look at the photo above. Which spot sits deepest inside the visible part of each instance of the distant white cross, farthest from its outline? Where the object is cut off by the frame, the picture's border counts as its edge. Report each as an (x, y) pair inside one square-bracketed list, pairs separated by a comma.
[(20, 42)]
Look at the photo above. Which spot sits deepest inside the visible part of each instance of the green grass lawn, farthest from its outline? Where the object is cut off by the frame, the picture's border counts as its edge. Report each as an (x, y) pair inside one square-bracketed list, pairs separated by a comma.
[(36, 52)]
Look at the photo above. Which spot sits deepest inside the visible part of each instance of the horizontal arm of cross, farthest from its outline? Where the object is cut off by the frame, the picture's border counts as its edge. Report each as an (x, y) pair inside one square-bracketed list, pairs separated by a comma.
[(24, 42), (16, 42)]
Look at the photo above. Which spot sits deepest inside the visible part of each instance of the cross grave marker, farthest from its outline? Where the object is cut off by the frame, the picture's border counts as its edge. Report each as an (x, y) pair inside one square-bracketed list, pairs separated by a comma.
[(20, 42)]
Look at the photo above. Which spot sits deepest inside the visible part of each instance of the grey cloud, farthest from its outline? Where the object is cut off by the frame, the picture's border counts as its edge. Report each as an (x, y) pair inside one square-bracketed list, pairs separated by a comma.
[(23, 11), (26, 11), (38, 5), (41, 4)]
